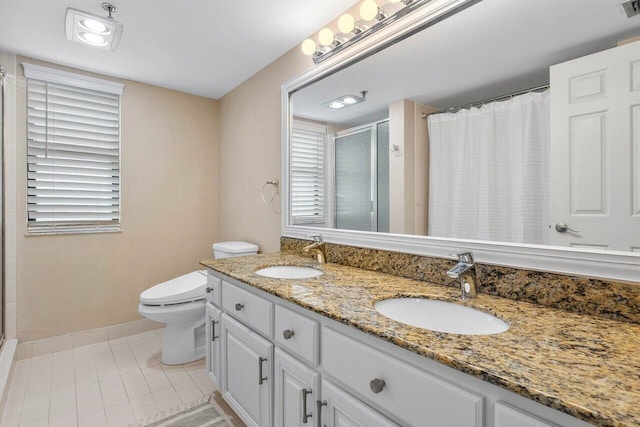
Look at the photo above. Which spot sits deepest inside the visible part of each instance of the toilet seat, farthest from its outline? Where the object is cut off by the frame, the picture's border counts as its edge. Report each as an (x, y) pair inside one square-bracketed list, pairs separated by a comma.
[(183, 289)]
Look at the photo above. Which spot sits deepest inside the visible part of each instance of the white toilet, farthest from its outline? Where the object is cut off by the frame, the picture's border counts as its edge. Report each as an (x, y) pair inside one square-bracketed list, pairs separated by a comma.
[(179, 303)]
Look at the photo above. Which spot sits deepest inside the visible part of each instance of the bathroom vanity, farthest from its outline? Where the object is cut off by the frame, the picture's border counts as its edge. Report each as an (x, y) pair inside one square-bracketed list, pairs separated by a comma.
[(315, 352)]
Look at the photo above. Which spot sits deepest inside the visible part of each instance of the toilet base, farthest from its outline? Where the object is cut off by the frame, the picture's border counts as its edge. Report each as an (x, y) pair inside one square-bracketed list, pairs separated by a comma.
[(183, 343)]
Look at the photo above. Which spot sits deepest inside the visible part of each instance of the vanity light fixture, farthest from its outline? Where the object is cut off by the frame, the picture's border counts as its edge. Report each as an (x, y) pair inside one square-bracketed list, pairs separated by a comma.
[(345, 101), (93, 30), (374, 17)]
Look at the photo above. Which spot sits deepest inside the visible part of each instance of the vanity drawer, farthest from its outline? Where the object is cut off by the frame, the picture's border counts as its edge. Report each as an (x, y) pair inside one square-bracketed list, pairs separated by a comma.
[(252, 310), (298, 334), (214, 286), (507, 415), (401, 389)]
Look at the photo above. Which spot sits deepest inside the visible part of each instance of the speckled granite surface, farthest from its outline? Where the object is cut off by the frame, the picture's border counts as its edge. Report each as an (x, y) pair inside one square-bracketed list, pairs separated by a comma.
[(619, 301), (586, 366)]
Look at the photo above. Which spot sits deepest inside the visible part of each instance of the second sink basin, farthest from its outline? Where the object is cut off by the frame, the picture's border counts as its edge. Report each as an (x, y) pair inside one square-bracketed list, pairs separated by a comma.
[(288, 272), (440, 316)]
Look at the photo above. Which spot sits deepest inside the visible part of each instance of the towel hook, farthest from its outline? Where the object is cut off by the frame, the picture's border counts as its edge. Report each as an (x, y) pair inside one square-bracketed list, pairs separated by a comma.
[(275, 183)]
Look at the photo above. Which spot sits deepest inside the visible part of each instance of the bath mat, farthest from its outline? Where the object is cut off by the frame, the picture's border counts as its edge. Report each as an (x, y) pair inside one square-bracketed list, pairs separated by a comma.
[(201, 413)]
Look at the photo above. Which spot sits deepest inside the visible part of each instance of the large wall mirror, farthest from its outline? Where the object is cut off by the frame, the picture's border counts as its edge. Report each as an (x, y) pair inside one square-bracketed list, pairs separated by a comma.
[(509, 128)]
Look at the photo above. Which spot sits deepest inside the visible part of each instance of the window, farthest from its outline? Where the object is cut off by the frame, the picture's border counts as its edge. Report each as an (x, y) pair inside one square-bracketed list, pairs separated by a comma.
[(73, 152), (307, 173)]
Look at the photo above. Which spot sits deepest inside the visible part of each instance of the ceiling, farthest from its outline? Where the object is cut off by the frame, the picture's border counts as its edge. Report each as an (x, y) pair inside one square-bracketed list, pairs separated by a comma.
[(201, 47), (493, 48)]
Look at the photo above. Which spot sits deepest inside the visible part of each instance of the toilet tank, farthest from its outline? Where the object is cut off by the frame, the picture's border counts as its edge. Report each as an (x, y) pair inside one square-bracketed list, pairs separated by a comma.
[(231, 249)]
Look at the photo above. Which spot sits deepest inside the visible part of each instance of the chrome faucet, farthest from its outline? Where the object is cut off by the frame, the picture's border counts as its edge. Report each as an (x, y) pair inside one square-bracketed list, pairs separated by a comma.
[(465, 270), (318, 248)]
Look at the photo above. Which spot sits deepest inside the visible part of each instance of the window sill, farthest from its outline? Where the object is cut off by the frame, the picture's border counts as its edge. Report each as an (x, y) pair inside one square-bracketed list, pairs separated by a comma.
[(76, 230)]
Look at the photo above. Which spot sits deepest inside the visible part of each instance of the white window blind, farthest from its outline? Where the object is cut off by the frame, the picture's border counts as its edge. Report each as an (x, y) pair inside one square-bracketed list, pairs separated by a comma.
[(307, 175), (73, 157)]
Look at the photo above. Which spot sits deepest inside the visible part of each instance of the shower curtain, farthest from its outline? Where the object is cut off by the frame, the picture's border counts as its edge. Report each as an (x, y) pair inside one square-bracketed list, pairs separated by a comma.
[(488, 171)]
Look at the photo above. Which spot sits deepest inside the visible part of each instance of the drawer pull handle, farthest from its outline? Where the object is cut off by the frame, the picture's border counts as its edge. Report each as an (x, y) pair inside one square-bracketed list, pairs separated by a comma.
[(287, 334), (305, 415), (209, 289), (213, 331), (260, 361), (239, 306), (377, 385)]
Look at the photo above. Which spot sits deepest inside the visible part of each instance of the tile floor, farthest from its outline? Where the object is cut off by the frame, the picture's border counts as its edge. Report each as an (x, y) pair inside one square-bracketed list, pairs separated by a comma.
[(113, 383)]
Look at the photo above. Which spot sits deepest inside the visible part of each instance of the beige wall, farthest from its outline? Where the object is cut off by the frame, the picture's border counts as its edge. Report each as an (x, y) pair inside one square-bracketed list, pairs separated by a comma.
[(249, 144), (71, 283), (408, 171), (249, 153)]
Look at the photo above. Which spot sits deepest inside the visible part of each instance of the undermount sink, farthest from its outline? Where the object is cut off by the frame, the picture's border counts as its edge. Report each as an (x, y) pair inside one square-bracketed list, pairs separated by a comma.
[(288, 272), (440, 316)]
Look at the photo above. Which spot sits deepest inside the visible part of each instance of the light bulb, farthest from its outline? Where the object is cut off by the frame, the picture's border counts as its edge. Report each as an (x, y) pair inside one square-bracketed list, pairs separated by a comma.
[(94, 26), (349, 100), (346, 23), (308, 47), (368, 10), (325, 36), (336, 105), (92, 39)]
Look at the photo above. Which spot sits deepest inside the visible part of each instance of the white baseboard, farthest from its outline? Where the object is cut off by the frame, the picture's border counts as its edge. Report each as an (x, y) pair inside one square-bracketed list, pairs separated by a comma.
[(7, 362), (79, 339)]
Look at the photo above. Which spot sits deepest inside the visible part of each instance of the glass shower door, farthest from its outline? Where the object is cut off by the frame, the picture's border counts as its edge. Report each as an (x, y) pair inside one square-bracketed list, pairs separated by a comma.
[(382, 173), (354, 181)]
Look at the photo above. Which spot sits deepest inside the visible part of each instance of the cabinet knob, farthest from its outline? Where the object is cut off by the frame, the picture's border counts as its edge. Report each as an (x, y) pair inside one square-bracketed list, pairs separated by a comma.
[(377, 385), (209, 289), (287, 334), (239, 306)]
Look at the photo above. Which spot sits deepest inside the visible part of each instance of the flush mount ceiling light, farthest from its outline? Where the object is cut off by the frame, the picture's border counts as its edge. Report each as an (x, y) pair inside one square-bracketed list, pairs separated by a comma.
[(345, 101), (374, 16), (93, 30)]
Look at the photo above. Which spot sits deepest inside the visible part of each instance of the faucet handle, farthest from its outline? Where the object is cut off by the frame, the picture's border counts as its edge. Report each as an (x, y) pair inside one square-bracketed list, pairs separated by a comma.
[(316, 237), (466, 257)]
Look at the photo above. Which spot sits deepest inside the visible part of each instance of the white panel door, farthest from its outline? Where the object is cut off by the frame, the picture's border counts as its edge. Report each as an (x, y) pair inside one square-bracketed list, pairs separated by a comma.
[(344, 410), (246, 367), (296, 392), (213, 343), (595, 150)]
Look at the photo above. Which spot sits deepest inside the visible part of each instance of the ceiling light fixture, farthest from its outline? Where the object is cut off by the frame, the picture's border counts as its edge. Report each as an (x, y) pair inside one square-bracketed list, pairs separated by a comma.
[(373, 18), (345, 101), (93, 30)]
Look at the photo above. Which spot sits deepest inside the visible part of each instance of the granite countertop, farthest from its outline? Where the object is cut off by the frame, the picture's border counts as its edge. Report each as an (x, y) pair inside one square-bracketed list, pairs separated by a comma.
[(586, 366)]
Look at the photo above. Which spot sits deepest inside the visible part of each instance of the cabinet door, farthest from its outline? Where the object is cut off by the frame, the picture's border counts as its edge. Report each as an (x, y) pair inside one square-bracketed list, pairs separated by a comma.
[(246, 367), (296, 391), (213, 343), (344, 410), (508, 416)]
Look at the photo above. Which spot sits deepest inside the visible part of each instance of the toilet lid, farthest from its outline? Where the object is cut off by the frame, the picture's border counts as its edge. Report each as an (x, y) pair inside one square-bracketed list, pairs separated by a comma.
[(186, 288)]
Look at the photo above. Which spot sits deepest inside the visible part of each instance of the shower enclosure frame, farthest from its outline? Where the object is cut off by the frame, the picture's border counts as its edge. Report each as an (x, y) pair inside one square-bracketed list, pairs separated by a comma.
[(2, 215)]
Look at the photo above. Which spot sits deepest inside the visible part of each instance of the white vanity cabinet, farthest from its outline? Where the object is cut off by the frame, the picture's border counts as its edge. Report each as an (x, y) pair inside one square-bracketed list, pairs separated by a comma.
[(279, 362), (245, 373), (213, 342), (296, 392)]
